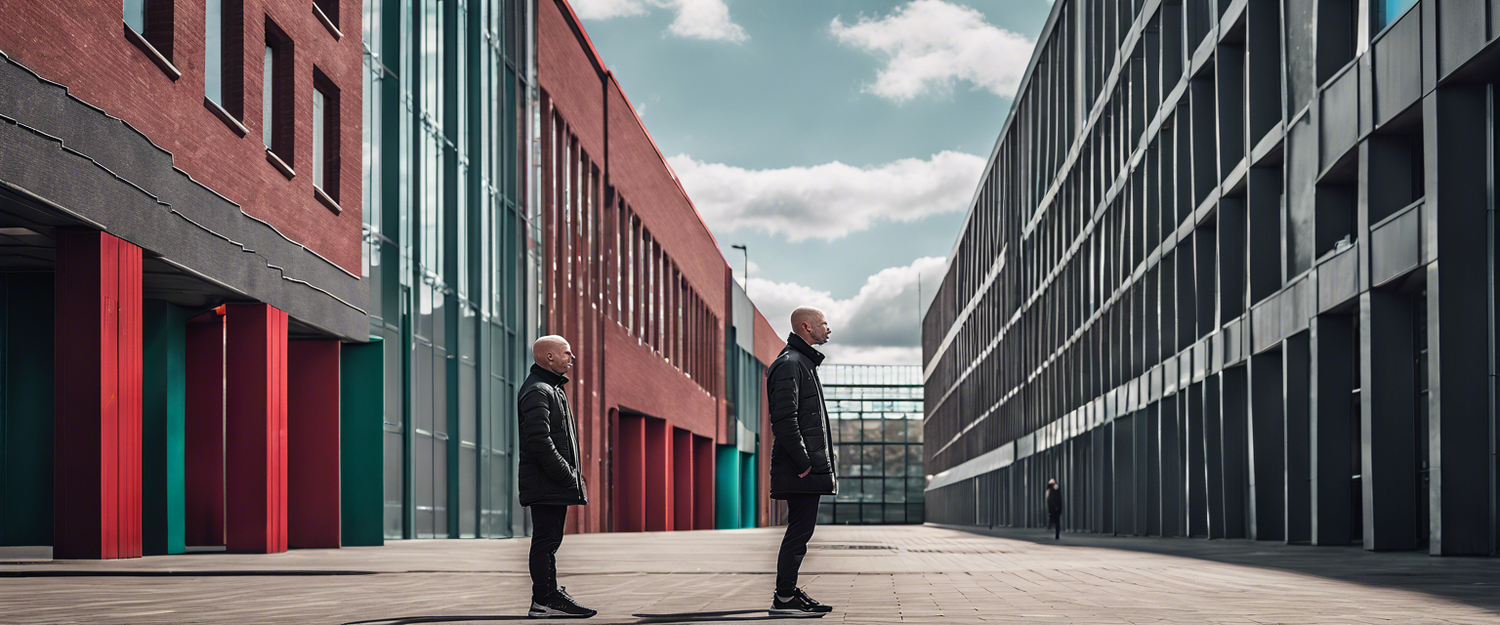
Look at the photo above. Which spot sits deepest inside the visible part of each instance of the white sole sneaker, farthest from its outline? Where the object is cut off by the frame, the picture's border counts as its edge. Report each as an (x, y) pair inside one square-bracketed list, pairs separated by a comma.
[(538, 611)]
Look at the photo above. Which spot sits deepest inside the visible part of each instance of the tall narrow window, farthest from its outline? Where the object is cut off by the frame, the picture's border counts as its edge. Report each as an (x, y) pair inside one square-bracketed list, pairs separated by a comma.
[(266, 95), (326, 139), (223, 57), (278, 78)]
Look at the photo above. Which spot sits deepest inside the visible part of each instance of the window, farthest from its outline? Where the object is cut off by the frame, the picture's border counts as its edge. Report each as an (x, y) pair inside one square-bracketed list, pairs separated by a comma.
[(276, 104), (148, 25), (223, 61), (326, 139)]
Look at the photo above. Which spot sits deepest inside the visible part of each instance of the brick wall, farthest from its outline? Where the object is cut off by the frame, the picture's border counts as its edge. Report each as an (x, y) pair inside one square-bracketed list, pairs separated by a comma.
[(602, 170), (81, 44)]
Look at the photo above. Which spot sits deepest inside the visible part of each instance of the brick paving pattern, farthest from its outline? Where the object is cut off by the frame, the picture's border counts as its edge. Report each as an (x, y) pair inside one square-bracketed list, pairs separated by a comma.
[(871, 574)]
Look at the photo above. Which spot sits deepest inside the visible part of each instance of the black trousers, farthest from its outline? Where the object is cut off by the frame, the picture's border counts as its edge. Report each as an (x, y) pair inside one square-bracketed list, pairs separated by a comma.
[(546, 537), (801, 518), (1054, 520)]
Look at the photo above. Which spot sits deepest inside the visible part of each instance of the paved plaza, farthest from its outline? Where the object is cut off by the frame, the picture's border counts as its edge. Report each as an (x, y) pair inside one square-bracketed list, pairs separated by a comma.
[(907, 574)]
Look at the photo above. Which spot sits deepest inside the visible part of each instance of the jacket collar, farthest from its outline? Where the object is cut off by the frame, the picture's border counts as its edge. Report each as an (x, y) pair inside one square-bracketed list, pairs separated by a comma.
[(548, 376), (795, 342)]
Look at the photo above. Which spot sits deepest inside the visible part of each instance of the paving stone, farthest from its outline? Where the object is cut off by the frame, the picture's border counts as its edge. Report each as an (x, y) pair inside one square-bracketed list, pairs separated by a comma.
[(927, 575)]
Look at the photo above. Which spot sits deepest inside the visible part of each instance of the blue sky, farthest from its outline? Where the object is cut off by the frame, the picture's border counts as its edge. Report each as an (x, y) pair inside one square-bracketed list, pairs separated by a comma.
[(840, 140)]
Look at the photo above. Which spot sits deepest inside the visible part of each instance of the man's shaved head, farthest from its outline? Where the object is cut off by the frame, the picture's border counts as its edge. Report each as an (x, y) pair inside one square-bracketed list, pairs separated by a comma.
[(553, 353), (811, 324)]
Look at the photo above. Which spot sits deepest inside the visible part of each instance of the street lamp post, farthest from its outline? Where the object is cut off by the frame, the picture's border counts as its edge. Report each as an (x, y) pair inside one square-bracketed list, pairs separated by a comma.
[(747, 266)]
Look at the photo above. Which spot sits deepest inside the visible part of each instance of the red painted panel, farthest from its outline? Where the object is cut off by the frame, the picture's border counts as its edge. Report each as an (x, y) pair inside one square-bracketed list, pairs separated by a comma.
[(203, 431), (96, 444), (255, 428), (658, 481), (630, 474), (703, 485), (682, 479), (312, 444)]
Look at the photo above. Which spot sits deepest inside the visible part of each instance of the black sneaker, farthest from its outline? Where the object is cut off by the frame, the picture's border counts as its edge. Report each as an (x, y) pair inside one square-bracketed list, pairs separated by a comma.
[(799, 605), (559, 604)]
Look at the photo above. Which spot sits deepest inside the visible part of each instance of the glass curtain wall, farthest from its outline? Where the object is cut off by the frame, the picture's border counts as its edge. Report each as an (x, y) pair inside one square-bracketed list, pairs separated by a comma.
[(876, 415), (445, 129)]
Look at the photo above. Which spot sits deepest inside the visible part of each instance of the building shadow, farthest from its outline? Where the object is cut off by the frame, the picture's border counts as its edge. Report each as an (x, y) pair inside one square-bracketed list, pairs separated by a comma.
[(723, 616), (407, 620), (1473, 581)]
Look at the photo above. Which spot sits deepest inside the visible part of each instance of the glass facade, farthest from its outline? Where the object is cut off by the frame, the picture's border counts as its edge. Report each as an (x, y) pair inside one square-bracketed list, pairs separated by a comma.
[(446, 125), (876, 415)]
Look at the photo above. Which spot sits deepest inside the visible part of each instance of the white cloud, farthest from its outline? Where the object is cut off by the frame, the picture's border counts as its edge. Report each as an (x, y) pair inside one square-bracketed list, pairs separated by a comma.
[(879, 325), (928, 44), (705, 19), (696, 19), (607, 9), (831, 200)]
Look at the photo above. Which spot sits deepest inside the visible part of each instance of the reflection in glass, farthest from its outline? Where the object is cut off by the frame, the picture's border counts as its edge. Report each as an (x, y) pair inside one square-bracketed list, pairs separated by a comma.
[(213, 51), (135, 15)]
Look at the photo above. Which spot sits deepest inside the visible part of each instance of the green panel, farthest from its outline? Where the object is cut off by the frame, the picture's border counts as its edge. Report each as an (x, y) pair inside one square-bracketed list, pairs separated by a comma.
[(727, 499), (361, 397), (748, 490), (26, 414), (163, 388)]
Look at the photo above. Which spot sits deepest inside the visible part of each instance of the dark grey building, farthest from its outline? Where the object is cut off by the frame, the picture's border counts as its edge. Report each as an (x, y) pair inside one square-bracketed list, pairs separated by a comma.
[(1230, 273)]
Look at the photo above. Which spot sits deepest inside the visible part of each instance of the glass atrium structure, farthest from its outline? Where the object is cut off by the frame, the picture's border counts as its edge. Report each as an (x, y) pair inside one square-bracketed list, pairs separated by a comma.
[(452, 284), (876, 415)]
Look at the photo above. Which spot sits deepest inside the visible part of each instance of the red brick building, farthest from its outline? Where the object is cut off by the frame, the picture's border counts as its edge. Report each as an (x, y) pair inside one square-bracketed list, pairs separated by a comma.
[(179, 212), (635, 280)]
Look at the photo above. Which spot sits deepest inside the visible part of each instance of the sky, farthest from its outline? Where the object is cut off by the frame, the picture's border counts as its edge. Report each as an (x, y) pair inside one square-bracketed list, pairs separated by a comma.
[(841, 141)]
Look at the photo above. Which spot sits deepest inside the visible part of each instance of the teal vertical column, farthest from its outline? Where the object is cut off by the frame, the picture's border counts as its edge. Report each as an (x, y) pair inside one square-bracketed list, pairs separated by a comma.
[(748, 489), (163, 400), (26, 324), (727, 499), (362, 392)]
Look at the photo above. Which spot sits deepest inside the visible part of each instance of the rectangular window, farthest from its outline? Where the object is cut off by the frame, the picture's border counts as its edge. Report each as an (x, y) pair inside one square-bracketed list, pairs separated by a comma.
[(278, 130), (223, 58), (266, 95), (325, 136)]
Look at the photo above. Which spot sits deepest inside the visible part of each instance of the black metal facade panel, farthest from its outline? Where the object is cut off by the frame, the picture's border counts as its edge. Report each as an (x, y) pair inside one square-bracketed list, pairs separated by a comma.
[(1397, 57), (102, 173), (1237, 293)]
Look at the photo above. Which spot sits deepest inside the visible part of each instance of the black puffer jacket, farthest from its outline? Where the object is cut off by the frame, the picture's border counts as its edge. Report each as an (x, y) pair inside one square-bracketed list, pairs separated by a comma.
[(799, 424), (549, 443)]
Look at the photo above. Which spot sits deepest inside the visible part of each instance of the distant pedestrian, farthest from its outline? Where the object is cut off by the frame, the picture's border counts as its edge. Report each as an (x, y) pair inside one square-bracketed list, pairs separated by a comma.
[(550, 478), (1054, 508), (802, 461)]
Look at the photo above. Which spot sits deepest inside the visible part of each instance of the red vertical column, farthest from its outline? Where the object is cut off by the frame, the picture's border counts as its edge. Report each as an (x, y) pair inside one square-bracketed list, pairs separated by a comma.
[(630, 463), (682, 479), (203, 431), (255, 428), (703, 485), (97, 419), (659, 493), (312, 444)]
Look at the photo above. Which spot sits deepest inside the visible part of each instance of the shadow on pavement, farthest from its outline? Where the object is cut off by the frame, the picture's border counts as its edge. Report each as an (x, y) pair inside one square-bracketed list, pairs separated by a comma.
[(697, 617), (1474, 581), (405, 620)]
